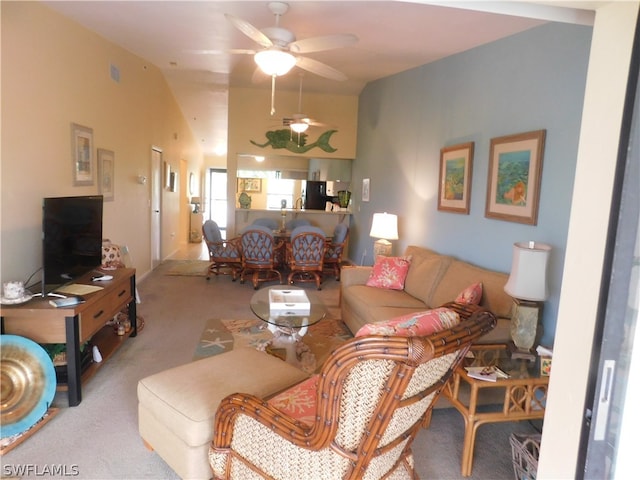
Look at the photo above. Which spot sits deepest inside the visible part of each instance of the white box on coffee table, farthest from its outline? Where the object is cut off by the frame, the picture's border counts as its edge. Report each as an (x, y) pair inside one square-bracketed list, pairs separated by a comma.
[(288, 302)]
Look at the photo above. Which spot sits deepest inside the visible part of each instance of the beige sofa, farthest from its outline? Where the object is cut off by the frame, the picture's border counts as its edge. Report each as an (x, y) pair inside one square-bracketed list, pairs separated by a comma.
[(432, 280)]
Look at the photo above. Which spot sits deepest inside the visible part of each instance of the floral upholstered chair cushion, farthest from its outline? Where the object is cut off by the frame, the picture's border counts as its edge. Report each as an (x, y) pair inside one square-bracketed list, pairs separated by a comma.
[(389, 272), (470, 295), (299, 401), (413, 324)]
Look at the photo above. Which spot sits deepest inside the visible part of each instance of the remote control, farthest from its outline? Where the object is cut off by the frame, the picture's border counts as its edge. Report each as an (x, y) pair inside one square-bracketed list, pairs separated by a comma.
[(66, 302), (102, 278)]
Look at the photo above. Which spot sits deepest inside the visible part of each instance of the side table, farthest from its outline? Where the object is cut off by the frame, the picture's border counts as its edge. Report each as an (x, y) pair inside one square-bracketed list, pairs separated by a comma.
[(525, 393)]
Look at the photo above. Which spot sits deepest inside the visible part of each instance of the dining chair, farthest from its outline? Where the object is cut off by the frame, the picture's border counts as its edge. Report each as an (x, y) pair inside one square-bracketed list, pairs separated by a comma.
[(296, 222), (335, 249), (258, 246), (305, 254), (223, 254), (267, 222)]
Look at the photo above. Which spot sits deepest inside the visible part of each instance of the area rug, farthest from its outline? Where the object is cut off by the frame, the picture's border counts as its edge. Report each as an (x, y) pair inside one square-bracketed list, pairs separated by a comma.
[(188, 268), (221, 335)]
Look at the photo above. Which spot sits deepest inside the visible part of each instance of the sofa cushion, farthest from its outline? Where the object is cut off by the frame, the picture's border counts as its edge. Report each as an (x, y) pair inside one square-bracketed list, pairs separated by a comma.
[(461, 274), (389, 272), (470, 295), (413, 324), (426, 270)]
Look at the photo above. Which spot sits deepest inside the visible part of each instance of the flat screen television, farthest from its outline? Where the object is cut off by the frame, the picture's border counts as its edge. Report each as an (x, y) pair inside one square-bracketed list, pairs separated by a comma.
[(71, 238)]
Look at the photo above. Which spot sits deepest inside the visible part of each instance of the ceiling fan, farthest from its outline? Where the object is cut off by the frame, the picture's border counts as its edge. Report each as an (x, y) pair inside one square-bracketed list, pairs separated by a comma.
[(299, 122), (281, 51)]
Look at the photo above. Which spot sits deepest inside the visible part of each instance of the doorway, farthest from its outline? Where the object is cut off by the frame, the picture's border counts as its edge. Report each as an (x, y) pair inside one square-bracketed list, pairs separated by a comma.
[(156, 206), (216, 208)]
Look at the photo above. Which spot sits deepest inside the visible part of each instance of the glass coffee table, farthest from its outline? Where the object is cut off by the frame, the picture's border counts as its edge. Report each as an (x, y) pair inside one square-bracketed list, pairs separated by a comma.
[(522, 395), (289, 327)]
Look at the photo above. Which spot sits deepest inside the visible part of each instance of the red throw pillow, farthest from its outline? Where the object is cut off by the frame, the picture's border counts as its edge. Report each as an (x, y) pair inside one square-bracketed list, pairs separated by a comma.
[(470, 295), (389, 272), (416, 324)]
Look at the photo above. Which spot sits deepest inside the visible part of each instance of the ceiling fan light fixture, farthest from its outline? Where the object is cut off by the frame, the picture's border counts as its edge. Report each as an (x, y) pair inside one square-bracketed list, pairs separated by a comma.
[(274, 62), (299, 127)]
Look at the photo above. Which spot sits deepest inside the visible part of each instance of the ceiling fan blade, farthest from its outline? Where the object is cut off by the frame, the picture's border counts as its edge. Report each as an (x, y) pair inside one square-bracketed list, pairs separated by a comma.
[(319, 68), (318, 44), (249, 30)]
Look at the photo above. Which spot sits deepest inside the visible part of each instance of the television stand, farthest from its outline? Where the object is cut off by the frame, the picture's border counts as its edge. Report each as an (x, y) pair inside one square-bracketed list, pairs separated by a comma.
[(43, 323)]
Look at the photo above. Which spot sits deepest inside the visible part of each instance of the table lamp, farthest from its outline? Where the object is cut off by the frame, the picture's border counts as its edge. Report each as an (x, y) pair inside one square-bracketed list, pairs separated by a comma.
[(384, 227), (527, 285), (195, 201)]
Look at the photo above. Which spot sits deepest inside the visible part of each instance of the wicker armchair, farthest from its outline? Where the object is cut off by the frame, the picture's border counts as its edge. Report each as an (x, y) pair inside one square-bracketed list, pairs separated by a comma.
[(305, 254), (222, 253), (258, 255), (373, 395), (335, 249)]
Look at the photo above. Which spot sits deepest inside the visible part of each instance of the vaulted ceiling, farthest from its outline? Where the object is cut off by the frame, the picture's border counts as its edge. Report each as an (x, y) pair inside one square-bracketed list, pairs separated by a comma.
[(190, 41)]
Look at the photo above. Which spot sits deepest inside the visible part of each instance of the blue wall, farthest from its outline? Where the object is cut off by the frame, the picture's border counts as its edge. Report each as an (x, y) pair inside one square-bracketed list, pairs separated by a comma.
[(530, 81)]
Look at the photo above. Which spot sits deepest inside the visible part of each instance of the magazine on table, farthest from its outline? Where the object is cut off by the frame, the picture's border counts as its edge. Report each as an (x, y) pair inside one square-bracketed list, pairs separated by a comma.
[(488, 374)]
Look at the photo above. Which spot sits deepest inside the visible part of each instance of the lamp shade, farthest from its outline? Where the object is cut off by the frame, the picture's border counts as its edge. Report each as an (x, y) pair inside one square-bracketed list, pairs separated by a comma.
[(384, 225), (274, 61), (528, 279), (196, 200)]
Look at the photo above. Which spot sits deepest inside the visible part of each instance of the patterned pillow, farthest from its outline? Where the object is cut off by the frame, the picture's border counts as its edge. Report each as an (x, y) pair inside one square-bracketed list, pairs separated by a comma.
[(299, 401), (389, 272), (470, 295), (414, 324)]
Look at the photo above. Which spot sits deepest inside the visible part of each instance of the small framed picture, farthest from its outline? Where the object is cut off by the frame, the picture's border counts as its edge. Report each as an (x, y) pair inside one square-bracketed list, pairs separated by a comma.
[(84, 171), (250, 185), (515, 174), (106, 170), (454, 187), (365, 189), (173, 182)]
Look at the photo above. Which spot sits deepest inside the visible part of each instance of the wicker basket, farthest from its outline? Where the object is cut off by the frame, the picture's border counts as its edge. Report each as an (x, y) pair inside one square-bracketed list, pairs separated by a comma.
[(525, 450)]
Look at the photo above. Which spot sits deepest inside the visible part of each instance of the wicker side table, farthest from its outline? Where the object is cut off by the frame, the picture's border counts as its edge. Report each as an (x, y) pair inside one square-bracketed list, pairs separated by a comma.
[(525, 394)]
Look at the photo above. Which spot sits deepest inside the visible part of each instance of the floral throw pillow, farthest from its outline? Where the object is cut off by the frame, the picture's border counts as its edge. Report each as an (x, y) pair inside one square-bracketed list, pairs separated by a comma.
[(389, 272), (470, 295), (416, 324)]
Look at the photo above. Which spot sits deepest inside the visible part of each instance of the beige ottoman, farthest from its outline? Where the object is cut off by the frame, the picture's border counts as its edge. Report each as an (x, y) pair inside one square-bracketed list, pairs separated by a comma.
[(176, 407)]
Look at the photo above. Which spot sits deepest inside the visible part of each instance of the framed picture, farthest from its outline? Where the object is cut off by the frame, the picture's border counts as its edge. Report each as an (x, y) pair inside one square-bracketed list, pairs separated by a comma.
[(167, 174), (365, 189), (250, 185), (84, 171), (515, 172), (106, 169), (173, 182), (454, 187)]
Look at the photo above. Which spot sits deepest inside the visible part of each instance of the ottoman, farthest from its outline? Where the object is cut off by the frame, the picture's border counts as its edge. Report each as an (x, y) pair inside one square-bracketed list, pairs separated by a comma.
[(176, 407)]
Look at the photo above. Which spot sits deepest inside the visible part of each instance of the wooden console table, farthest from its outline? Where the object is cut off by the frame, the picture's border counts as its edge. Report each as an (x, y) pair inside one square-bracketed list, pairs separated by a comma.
[(42, 323)]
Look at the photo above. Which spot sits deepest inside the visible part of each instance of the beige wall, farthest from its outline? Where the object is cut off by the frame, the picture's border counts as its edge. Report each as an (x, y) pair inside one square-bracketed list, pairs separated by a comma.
[(249, 119), (55, 73), (599, 138)]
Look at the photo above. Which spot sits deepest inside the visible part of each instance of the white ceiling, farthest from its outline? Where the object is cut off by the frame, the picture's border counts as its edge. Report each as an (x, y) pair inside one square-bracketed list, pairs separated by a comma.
[(394, 36)]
